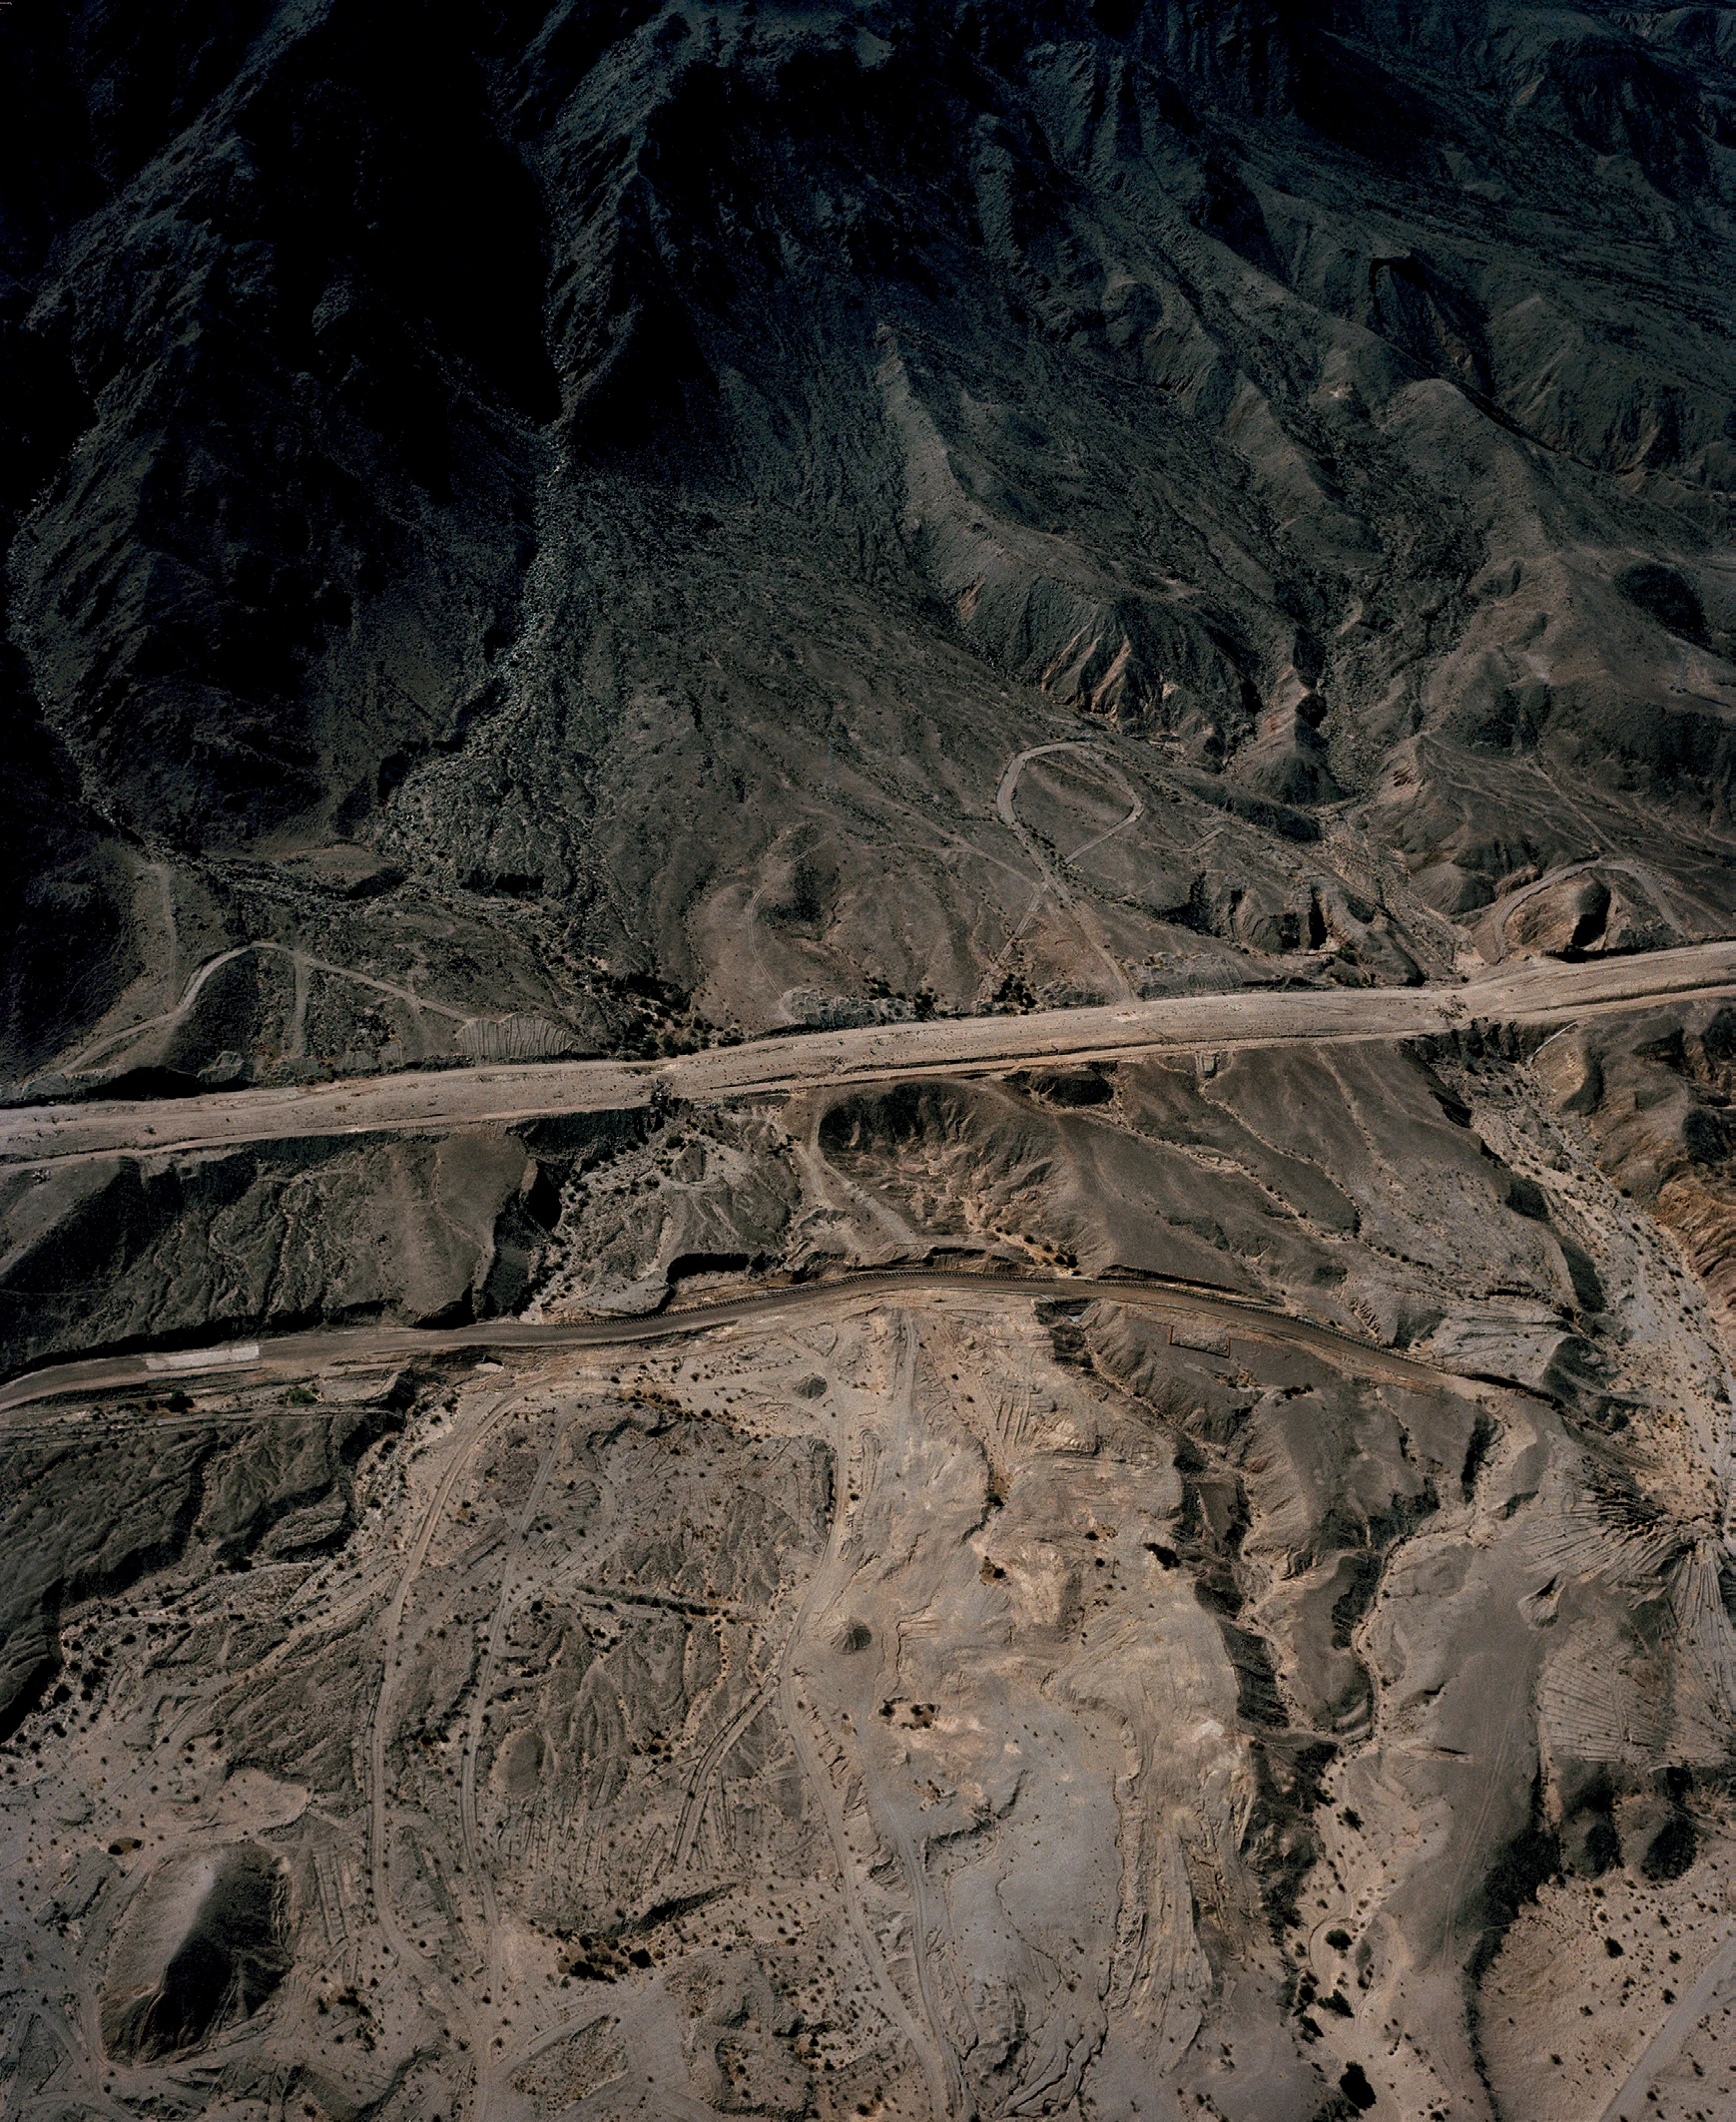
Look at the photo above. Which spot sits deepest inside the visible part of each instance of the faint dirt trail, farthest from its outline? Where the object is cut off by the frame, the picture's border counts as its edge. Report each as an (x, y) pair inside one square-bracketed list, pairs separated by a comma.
[(915, 1856), (301, 963), (475, 1858), (649, 2029), (1121, 825), (169, 953), (1629, 2104), (698, 1783), (1052, 880), (840, 1194), (824, 1586), (296, 1041), (463, 1449), (1641, 873), (189, 995)]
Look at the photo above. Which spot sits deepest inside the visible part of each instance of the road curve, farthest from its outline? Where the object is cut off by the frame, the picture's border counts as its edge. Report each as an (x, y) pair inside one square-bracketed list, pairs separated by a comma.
[(292, 1356), (1532, 990), (1051, 882)]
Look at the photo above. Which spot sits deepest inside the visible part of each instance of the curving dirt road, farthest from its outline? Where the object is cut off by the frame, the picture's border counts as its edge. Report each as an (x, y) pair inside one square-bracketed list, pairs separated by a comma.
[(302, 962), (293, 1356), (1532, 991), (1051, 882)]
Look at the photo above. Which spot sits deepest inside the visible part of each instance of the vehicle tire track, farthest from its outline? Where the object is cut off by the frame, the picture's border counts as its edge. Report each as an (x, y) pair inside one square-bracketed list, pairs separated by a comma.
[(822, 1588), (380, 1733), (912, 1857), (698, 1792), (1053, 882), (470, 1834)]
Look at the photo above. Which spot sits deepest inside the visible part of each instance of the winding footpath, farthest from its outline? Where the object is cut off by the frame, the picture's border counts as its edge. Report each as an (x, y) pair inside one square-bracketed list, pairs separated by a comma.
[(1529, 991)]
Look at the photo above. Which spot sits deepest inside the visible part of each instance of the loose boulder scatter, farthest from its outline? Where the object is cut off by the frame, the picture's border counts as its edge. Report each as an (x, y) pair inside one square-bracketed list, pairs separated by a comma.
[(682, 1572)]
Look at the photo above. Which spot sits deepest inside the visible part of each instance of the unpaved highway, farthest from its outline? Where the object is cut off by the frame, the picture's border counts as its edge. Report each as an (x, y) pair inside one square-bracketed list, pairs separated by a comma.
[(292, 1356), (1537, 990)]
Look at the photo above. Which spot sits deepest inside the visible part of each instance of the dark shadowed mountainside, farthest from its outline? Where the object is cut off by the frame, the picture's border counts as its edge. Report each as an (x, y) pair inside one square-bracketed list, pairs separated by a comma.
[(534, 507)]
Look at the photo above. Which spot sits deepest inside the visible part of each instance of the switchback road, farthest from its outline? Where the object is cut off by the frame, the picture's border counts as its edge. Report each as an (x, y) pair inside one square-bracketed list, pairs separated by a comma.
[(1530, 991)]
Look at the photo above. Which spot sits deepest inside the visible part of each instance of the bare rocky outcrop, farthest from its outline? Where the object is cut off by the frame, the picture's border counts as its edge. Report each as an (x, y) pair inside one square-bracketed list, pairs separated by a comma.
[(201, 1947), (1653, 1094), (119, 1249), (883, 1694)]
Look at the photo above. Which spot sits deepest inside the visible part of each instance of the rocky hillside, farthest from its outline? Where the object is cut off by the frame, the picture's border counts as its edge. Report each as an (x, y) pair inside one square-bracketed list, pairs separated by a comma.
[(536, 519), (611, 527)]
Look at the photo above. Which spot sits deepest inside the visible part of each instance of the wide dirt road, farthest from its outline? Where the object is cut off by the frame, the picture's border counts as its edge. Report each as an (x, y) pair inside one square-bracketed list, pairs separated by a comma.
[(289, 1356), (1535, 990)]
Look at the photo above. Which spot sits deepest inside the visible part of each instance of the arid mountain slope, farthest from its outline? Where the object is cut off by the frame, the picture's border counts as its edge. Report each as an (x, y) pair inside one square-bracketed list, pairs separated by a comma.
[(593, 529), (953, 1707), (625, 473)]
